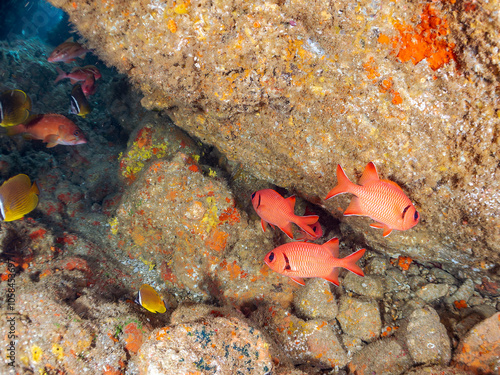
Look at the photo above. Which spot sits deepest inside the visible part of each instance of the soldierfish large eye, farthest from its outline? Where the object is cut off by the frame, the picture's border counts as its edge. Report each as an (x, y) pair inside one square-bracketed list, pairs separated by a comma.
[(271, 257), (416, 215)]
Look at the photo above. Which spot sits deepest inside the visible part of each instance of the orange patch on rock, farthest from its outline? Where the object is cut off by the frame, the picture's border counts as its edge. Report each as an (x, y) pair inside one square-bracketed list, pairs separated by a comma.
[(217, 240), (133, 338), (425, 41), (404, 263), (371, 69)]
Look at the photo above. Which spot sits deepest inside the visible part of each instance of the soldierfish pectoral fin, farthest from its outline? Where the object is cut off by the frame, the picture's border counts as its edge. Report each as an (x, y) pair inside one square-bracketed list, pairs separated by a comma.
[(370, 174), (333, 277), (288, 230), (263, 223), (343, 184), (291, 201), (332, 246), (354, 209), (386, 229), (298, 280)]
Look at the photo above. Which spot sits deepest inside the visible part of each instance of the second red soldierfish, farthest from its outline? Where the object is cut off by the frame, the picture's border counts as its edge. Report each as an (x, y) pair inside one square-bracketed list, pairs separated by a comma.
[(51, 128), (316, 227), (381, 200), (276, 210), (78, 74), (302, 259)]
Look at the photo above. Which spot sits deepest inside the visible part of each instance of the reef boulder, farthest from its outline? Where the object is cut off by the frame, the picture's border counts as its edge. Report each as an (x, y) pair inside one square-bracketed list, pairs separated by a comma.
[(291, 88)]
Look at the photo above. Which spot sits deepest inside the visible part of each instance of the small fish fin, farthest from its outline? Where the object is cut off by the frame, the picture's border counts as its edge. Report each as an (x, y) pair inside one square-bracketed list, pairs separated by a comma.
[(305, 222), (386, 229), (272, 226), (369, 175), (332, 246), (298, 280), (291, 201), (263, 223), (62, 74), (73, 81), (349, 262), (69, 40), (34, 188), (393, 184), (51, 140), (343, 184), (354, 209), (288, 230), (333, 277)]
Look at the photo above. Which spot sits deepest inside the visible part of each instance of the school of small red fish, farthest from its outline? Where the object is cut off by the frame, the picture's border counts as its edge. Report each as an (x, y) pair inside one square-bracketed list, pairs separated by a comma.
[(382, 200)]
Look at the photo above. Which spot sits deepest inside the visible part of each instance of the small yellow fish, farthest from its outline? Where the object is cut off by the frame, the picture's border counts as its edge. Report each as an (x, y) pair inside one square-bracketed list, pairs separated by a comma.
[(150, 299), (15, 107), (17, 197)]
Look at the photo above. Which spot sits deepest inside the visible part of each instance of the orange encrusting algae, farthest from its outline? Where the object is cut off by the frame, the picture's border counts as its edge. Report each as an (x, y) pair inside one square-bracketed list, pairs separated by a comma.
[(425, 41)]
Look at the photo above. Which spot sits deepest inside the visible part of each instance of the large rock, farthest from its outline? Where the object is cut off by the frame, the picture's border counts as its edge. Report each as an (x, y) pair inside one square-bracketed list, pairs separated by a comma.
[(290, 89)]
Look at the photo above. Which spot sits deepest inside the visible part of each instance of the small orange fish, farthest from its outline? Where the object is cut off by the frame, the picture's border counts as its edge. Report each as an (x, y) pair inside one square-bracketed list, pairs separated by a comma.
[(17, 197), (51, 128), (276, 210), (67, 52), (381, 200), (302, 259)]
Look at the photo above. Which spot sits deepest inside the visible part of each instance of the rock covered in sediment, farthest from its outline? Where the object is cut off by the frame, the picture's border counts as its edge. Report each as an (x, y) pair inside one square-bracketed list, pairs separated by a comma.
[(216, 345), (386, 356), (186, 225), (479, 350), (360, 318), (290, 89), (437, 370), (431, 292), (368, 286), (312, 342), (315, 300), (426, 337)]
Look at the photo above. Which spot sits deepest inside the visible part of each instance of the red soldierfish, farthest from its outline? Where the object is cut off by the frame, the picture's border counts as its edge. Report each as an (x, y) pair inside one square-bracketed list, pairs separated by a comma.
[(302, 259), (381, 200), (78, 74), (276, 210), (89, 86), (316, 227), (51, 128), (67, 52)]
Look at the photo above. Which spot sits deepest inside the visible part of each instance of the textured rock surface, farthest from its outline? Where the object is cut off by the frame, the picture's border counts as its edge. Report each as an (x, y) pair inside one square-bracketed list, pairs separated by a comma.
[(213, 346), (315, 300), (426, 337), (479, 351), (289, 89), (385, 356), (360, 318)]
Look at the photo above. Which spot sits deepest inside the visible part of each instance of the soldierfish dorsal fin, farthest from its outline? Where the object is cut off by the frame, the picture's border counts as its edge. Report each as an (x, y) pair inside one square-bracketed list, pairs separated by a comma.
[(332, 246), (291, 202), (369, 175)]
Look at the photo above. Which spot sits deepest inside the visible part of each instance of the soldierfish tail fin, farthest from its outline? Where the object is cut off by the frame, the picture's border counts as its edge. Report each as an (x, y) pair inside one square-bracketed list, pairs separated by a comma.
[(62, 74), (304, 223), (349, 262), (344, 185)]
